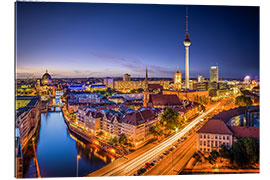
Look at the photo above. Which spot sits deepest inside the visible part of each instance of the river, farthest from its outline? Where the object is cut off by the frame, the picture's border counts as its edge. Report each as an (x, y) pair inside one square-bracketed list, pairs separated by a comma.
[(57, 151)]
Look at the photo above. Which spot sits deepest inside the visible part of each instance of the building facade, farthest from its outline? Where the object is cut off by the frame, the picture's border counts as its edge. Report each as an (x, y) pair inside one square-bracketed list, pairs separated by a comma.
[(177, 80), (214, 74)]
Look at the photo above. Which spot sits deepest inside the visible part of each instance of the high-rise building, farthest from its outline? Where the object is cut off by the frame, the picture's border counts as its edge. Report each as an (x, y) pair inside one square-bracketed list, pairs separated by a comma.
[(200, 79), (126, 77), (214, 74), (187, 43), (177, 80)]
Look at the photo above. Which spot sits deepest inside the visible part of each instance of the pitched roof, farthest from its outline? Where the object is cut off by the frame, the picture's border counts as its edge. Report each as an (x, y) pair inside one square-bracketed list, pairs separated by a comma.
[(164, 99), (140, 117), (154, 86), (215, 126), (240, 131)]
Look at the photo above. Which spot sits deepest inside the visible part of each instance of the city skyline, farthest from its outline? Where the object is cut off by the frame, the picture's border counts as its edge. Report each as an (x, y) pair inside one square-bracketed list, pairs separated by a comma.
[(99, 40)]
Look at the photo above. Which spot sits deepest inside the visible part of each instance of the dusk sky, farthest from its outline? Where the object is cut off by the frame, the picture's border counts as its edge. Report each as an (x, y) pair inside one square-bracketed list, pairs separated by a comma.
[(97, 40)]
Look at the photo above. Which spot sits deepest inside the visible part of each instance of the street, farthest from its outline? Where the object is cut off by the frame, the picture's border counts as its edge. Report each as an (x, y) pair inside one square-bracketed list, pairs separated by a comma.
[(126, 167)]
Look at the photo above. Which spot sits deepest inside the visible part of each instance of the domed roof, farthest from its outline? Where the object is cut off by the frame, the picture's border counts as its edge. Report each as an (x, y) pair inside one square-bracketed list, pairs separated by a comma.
[(46, 76)]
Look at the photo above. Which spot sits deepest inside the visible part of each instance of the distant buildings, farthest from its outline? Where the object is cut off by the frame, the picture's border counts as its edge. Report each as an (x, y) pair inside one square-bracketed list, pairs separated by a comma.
[(126, 98), (129, 85), (126, 77), (200, 79), (214, 74), (187, 95)]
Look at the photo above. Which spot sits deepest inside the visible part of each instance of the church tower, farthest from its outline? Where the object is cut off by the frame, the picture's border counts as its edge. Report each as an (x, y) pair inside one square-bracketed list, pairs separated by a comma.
[(146, 90), (177, 80)]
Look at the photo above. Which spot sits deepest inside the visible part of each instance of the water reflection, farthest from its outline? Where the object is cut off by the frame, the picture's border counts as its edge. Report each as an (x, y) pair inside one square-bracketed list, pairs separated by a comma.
[(57, 149)]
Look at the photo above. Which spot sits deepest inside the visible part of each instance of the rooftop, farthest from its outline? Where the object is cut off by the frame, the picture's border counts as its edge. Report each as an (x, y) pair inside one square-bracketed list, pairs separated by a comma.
[(164, 99), (240, 131), (215, 126)]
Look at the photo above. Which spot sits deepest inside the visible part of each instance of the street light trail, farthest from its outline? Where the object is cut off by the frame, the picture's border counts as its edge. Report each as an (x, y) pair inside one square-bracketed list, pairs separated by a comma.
[(140, 160)]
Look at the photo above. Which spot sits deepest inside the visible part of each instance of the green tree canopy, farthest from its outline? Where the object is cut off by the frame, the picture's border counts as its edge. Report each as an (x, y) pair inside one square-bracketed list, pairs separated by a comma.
[(213, 156), (244, 152), (243, 101), (170, 119), (122, 139)]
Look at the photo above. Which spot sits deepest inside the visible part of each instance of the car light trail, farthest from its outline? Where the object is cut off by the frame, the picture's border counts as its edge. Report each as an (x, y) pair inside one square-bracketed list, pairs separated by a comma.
[(132, 165)]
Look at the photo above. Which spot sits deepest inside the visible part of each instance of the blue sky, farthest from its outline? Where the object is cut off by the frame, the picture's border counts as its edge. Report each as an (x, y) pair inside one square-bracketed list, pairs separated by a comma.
[(97, 40)]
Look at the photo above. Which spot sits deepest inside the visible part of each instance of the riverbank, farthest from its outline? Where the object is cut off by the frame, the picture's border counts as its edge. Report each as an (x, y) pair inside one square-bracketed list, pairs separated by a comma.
[(116, 153)]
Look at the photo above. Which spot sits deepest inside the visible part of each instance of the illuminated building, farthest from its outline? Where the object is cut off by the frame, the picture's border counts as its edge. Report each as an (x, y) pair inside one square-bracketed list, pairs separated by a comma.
[(212, 135), (45, 89), (124, 98), (114, 121), (46, 79), (187, 43), (201, 86), (227, 126), (109, 82), (189, 95), (158, 100), (126, 77), (128, 86), (214, 74), (177, 80), (27, 117), (247, 80), (200, 79)]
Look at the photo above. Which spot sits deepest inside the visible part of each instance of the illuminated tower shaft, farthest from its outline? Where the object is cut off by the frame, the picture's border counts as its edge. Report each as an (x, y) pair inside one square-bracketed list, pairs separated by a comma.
[(187, 67)]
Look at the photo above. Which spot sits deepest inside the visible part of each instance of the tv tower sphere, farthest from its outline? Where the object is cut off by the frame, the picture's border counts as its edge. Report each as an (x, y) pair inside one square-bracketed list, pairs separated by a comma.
[(187, 42)]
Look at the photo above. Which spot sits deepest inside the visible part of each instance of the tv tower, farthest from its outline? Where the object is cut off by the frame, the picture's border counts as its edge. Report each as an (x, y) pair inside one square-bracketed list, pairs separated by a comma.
[(187, 43)]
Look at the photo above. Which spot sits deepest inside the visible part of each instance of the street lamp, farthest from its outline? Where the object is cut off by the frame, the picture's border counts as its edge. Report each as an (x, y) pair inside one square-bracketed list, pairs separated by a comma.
[(78, 157)]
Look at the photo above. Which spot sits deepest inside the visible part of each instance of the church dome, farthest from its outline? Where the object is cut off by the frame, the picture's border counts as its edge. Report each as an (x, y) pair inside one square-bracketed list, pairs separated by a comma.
[(46, 78)]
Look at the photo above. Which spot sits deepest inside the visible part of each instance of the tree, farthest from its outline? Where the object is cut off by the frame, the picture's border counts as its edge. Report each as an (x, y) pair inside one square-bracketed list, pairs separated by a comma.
[(156, 130), (170, 119), (213, 92), (122, 139), (243, 101), (113, 140), (153, 130), (252, 149), (244, 152), (100, 133), (213, 156)]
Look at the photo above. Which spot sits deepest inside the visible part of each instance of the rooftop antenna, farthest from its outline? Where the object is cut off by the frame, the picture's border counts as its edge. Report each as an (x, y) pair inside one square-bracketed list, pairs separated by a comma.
[(187, 34)]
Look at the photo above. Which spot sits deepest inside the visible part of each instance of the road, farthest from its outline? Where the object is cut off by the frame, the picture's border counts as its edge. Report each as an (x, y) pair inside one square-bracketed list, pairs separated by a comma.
[(176, 160), (127, 167)]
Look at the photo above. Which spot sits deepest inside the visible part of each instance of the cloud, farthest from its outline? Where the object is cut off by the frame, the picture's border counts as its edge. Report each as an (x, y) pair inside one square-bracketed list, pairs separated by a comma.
[(135, 65), (24, 75)]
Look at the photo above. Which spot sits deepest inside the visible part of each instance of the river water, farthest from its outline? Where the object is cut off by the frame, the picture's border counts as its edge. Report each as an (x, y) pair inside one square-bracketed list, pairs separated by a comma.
[(57, 151)]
